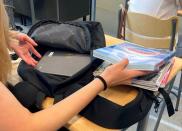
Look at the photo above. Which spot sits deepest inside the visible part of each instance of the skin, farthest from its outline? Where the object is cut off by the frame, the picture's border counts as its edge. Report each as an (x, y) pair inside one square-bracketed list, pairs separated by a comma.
[(23, 45)]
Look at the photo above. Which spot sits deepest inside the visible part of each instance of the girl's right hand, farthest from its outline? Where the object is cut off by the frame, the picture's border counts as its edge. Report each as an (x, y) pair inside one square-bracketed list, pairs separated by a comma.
[(118, 74)]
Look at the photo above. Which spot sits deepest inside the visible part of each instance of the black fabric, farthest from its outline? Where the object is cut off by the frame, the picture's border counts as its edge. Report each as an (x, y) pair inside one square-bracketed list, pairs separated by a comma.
[(28, 95), (111, 115), (81, 37), (51, 84), (168, 101)]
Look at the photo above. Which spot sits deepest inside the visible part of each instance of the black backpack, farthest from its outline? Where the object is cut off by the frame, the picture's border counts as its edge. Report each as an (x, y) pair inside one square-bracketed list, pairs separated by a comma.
[(80, 37)]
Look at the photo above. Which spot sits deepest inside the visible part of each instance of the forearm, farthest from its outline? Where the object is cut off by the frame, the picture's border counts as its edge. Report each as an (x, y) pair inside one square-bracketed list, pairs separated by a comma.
[(56, 116), (17, 118), (13, 34), (13, 39)]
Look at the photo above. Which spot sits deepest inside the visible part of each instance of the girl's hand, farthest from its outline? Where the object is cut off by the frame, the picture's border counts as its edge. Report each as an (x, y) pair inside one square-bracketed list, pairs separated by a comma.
[(23, 45), (118, 74)]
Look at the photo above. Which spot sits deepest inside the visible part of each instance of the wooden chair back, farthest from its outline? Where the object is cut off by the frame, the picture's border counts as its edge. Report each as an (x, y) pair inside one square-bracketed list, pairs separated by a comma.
[(150, 31)]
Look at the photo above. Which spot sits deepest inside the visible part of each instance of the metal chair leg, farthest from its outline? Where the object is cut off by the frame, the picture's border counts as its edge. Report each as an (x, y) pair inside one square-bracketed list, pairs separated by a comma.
[(179, 94), (142, 125), (84, 18), (163, 106), (160, 116)]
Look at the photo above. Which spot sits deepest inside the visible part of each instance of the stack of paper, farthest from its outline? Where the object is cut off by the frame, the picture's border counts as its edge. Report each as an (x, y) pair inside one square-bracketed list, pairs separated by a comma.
[(151, 82), (156, 82)]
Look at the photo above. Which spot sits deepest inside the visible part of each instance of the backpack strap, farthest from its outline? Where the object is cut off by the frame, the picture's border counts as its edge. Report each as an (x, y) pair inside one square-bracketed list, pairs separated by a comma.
[(155, 99), (170, 108), (40, 97), (28, 95), (58, 98)]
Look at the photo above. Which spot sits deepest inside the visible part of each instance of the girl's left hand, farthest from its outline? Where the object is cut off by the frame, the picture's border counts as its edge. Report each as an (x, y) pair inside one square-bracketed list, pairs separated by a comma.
[(23, 45)]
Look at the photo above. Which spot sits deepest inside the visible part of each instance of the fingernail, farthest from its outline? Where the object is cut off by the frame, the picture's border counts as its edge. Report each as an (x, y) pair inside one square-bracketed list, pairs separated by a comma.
[(40, 56)]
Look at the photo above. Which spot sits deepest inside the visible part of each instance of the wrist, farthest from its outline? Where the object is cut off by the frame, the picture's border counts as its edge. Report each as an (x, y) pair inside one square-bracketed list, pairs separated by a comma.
[(13, 43), (103, 81), (107, 78), (10, 45), (14, 34)]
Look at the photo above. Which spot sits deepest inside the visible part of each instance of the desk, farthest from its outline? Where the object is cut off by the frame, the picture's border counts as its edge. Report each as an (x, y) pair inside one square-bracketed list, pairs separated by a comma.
[(79, 123), (179, 12)]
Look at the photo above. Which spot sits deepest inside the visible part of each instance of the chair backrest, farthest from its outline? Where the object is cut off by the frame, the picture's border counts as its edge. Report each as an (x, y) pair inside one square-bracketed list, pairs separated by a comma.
[(22, 7), (61, 10), (150, 31), (73, 9)]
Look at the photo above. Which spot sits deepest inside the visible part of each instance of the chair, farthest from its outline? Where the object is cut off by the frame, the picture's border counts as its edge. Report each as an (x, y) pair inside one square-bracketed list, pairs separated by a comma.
[(22, 7), (9, 9), (60, 10), (179, 54), (23, 10), (152, 32)]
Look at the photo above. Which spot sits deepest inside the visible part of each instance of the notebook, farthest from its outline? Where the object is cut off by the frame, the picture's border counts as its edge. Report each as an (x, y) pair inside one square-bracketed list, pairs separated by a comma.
[(63, 63)]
